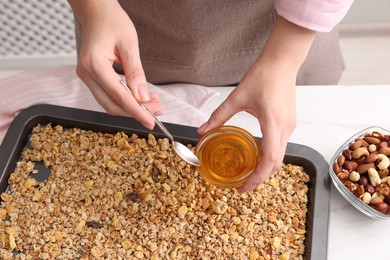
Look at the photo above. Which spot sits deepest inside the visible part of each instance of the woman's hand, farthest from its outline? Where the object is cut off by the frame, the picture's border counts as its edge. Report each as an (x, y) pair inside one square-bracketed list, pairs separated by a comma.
[(267, 91), (108, 36)]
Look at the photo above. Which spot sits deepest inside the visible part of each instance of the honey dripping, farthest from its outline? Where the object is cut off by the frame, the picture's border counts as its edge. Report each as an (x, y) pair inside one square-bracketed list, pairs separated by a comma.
[(227, 156)]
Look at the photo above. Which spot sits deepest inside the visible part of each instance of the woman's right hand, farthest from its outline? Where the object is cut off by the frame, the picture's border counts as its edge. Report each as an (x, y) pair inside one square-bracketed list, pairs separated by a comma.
[(108, 35)]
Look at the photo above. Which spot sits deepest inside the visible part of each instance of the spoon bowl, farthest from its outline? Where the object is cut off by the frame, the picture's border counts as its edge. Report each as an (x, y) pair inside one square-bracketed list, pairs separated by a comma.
[(185, 153), (180, 149)]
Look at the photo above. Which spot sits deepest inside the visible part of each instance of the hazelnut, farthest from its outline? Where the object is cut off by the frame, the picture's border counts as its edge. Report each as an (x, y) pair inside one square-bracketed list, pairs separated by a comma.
[(363, 180), (354, 176), (370, 189), (381, 207)]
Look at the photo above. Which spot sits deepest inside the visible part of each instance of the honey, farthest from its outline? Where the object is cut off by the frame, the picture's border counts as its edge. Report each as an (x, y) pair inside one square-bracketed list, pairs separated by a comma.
[(228, 155)]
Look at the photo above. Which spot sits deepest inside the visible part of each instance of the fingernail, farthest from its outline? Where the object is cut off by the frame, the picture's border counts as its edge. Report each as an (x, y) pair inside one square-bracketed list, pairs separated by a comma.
[(148, 124), (240, 191), (244, 189), (202, 127), (143, 93)]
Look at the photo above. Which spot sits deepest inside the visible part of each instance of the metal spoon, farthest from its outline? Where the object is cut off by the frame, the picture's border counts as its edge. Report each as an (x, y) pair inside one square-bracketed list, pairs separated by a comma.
[(183, 151)]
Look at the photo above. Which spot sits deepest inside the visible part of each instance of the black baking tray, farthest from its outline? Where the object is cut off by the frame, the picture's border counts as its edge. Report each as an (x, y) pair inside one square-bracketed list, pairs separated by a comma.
[(16, 139)]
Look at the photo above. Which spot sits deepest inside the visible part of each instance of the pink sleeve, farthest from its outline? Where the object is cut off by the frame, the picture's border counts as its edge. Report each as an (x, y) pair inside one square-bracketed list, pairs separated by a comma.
[(316, 15)]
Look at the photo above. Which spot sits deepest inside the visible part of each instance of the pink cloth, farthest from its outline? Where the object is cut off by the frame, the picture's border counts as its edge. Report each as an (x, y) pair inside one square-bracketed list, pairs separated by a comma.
[(41, 86), (61, 86), (316, 15)]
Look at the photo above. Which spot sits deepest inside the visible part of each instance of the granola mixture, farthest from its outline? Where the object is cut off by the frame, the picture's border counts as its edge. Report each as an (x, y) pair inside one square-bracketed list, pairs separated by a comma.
[(113, 196)]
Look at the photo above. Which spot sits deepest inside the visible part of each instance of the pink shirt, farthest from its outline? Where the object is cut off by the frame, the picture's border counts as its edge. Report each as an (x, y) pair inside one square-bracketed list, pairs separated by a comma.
[(316, 15)]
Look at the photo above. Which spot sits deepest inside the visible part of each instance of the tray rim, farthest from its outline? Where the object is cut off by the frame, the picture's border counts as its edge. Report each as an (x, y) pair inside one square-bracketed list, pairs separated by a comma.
[(21, 126)]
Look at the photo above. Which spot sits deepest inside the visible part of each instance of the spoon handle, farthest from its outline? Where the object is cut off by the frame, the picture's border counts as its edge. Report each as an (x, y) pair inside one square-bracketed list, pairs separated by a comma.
[(158, 122)]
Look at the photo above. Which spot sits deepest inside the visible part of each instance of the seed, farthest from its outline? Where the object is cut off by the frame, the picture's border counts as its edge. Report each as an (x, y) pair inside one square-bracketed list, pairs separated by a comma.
[(93, 224)]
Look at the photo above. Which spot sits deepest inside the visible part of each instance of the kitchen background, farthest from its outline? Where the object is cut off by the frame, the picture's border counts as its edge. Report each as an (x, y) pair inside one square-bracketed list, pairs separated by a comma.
[(40, 34)]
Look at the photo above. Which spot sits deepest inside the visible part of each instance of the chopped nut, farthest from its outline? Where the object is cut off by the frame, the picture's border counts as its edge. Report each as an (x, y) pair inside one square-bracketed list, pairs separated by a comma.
[(149, 197), (127, 244), (276, 242), (225, 238), (122, 143), (58, 236), (190, 188), (236, 220), (3, 213), (228, 249), (116, 223), (37, 195), (155, 219), (80, 225), (10, 230), (89, 184), (253, 255), (274, 182), (96, 252), (9, 208), (110, 164), (29, 183), (182, 211), (220, 207), (118, 196), (166, 187), (139, 254), (137, 247), (173, 254), (6, 197), (187, 249), (12, 242)]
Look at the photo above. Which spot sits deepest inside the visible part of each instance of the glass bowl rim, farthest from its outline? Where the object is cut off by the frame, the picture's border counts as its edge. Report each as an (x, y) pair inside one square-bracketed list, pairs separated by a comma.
[(244, 134), (349, 196)]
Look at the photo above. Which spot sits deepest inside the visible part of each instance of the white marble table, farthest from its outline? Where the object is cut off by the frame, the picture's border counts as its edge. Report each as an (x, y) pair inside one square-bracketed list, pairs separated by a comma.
[(326, 117)]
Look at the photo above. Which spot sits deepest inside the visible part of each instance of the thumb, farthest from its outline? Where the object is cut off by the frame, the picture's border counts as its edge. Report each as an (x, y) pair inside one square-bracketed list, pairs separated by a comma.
[(219, 117)]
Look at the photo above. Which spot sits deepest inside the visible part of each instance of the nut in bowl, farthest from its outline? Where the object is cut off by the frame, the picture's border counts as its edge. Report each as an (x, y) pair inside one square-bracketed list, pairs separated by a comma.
[(228, 155), (360, 171)]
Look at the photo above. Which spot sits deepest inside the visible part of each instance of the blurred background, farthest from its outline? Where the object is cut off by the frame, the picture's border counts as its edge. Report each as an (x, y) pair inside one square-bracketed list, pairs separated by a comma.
[(40, 34), (365, 43)]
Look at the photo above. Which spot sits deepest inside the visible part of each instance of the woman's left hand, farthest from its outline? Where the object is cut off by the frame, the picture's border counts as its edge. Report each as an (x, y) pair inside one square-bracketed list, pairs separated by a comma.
[(267, 91), (270, 98)]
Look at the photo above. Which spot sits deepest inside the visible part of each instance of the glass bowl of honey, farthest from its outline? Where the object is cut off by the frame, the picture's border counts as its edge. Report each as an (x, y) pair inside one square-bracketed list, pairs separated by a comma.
[(228, 155)]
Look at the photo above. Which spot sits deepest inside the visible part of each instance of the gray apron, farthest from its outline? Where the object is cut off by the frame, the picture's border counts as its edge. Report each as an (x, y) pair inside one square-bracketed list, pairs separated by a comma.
[(215, 42)]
